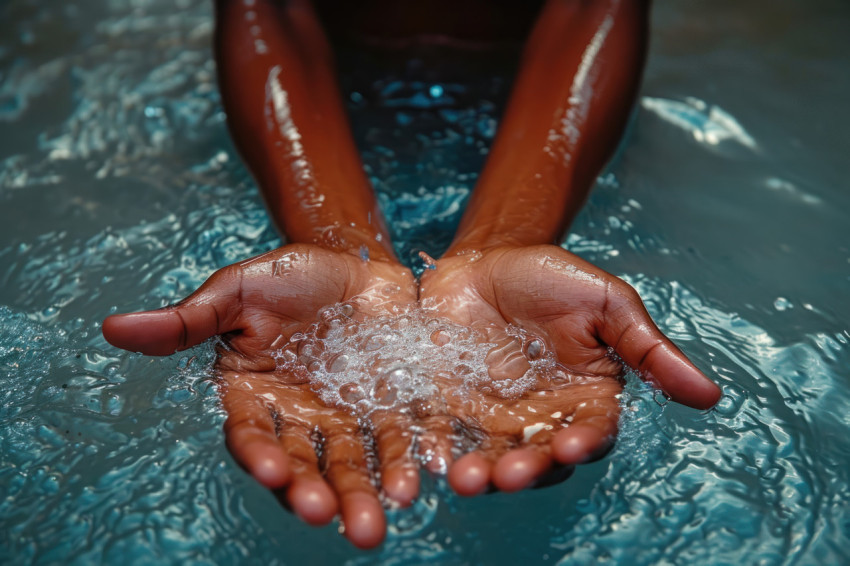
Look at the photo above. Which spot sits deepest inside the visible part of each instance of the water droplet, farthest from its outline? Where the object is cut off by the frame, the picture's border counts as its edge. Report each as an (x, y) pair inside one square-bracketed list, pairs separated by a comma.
[(385, 392), (309, 350), (731, 402), (400, 375), (325, 329), (390, 290), (440, 337), (338, 363), (660, 397), (287, 357), (350, 393), (373, 343), (534, 349), (462, 370)]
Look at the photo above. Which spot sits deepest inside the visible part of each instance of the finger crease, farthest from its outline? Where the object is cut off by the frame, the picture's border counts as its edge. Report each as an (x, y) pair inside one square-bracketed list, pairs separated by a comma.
[(648, 352), (625, 331), (184, 336), (607, 299), (217, 319)]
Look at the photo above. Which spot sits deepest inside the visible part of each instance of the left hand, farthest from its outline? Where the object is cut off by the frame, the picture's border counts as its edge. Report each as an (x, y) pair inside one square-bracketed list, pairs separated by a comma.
[(594, 323)]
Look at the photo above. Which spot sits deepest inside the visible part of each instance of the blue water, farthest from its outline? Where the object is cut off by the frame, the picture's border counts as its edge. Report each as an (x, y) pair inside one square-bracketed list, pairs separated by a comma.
[(727, 208)]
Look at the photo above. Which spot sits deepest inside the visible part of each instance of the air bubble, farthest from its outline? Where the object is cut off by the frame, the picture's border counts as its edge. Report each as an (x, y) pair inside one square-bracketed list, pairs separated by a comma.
[(309, 350), (287, 357), (338, 363), (350, 393), (374, 342), (390, 290), (534, 349), (401, 361), (462, 369), (386, 390), (440, 337)]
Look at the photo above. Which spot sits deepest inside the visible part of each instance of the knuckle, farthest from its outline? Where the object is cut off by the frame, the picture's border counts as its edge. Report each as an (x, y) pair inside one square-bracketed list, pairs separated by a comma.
[(623, 295)]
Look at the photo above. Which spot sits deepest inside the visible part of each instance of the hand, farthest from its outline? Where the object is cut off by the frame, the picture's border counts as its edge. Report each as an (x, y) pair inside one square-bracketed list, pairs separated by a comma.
[(275, 420), (538, 299)]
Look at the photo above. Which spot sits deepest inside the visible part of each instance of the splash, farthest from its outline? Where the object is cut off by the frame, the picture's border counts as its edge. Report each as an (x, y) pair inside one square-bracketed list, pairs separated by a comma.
[(409, 361)]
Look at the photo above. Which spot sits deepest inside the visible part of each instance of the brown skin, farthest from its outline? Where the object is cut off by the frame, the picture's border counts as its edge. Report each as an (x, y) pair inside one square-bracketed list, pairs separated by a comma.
[(288, 121), (578, 311), (273, 417)]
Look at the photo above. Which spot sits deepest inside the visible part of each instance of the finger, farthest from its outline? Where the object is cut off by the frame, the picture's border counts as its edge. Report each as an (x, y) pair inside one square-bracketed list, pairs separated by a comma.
[(347, 470), (394, 436), (535, 467), (590, 434), (472, 473), (628, 328), (209, 311), (309, 496), (436, 442), (519, 468), (252, 440)]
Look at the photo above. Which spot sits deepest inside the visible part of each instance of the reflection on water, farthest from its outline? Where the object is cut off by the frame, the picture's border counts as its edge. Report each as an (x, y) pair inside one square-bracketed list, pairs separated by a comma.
[(709, 125), (120, 190)]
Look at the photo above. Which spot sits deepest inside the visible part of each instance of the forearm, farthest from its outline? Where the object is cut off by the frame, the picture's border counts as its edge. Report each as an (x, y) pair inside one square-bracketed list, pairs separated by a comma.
[(286, 116), (577, 82)]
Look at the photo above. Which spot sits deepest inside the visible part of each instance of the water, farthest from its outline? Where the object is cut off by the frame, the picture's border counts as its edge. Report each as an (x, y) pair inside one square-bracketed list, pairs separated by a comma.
[(726, 208), (409, 361)]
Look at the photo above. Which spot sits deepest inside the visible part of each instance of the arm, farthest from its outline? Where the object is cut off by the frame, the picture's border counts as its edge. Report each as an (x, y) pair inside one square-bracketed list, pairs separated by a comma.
[(286, 116), (570, 103), (577, 82), (285, 113)]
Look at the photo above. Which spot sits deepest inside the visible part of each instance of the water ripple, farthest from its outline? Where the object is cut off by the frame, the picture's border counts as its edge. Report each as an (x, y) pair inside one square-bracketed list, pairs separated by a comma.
[(122, 191)]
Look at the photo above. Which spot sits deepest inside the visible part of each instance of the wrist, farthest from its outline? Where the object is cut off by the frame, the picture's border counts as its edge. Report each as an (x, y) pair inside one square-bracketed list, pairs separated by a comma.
[(508, 229), (365, 242)]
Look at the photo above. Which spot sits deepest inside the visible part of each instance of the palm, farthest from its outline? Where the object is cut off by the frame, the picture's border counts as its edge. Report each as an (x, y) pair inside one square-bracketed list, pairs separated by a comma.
[(280, 429), (581, 315), (285, 291)]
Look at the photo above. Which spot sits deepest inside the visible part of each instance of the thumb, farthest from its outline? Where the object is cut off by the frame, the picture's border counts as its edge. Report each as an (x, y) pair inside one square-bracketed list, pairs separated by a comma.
[(212, 309), (628, 328)]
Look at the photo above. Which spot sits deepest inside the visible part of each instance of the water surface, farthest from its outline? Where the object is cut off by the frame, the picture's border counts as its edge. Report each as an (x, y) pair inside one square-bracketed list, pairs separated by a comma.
[(726, 207)]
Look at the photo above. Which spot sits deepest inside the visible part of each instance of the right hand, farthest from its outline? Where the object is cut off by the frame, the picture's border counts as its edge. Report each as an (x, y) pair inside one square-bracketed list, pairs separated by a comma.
[(276, 424)]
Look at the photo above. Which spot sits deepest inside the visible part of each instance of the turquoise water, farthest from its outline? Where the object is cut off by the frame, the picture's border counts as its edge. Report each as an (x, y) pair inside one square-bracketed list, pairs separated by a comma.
[(727, 207)]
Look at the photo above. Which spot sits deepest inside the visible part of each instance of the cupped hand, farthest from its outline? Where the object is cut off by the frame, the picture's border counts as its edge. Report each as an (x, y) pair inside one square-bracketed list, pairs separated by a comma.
[(542, 302), (535, 304), (277, 426)]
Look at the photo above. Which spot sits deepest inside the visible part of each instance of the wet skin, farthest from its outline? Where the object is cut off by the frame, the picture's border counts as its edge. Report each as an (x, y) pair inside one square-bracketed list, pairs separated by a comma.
[(277, 426), (579, 76), (592, 320), (275, 421)]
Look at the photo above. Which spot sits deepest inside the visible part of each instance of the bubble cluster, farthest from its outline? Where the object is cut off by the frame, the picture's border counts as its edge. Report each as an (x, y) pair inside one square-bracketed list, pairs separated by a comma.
[(407, 360)]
